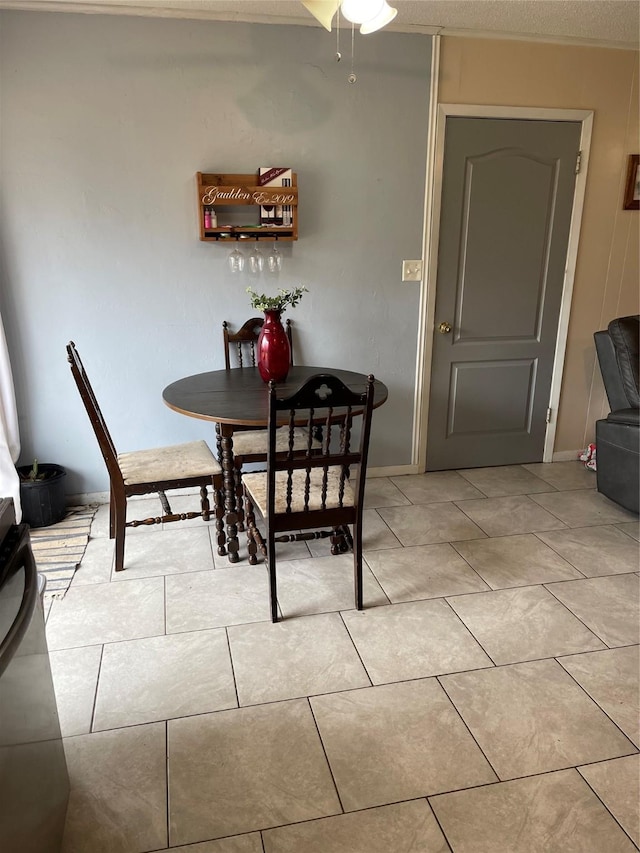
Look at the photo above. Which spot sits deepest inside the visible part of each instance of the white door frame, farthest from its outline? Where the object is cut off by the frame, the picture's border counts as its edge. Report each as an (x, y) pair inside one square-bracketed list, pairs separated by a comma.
[(432, 234)]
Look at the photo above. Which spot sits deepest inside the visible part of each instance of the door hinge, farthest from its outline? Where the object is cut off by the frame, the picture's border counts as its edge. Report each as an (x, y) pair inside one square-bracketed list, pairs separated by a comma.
[(548, 416), (578, 162)]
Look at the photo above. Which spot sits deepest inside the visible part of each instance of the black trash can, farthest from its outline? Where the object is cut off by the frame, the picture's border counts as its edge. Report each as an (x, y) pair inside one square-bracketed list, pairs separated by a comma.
[(43, 501)]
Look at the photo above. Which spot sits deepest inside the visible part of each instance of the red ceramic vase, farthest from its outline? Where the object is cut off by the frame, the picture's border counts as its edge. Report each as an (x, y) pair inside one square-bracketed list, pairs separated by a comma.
[(274, 352)]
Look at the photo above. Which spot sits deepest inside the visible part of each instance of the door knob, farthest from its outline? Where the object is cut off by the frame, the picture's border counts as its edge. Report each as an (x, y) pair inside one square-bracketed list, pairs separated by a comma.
[(444, 328)]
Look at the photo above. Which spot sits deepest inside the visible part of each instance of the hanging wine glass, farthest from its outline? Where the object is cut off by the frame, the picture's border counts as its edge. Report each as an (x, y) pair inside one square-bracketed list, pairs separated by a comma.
[(274, 260), (236, 261), (256, 261), (268, 214)]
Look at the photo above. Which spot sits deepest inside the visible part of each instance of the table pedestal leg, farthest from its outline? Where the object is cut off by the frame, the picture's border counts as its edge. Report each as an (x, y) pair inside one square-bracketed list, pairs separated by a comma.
[(218, 444), (228, 473)]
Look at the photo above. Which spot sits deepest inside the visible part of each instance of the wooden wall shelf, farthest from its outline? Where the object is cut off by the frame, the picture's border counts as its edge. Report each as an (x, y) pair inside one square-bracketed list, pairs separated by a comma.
[(237, 197)]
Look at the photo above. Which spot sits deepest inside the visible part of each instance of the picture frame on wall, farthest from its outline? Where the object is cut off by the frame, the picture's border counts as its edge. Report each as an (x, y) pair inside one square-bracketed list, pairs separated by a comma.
[(632, 186)]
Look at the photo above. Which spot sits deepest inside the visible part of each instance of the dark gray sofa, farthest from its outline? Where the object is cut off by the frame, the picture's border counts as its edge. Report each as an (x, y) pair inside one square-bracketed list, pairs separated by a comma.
[(618, 436)]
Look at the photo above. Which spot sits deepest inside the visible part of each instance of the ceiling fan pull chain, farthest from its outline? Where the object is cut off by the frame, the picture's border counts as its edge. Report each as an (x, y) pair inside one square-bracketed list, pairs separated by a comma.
[(352, 77), (338, 54)]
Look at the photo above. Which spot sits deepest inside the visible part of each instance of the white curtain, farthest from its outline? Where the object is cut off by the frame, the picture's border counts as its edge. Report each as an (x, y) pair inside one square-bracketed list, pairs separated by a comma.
[(9, 435)]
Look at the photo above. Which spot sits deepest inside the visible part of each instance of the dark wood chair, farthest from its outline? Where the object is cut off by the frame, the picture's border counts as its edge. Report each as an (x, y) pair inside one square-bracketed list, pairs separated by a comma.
[(303, 492), (243, 342), (144, 472), (250, 444)]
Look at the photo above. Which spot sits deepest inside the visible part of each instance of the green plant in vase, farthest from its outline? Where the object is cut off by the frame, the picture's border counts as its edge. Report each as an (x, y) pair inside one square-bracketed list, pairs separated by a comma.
[(280, 302)]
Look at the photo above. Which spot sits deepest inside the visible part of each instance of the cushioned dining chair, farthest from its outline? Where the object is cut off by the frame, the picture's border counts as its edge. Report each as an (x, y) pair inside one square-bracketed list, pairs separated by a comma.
[(144, 472), (249, 444), (304, 492)]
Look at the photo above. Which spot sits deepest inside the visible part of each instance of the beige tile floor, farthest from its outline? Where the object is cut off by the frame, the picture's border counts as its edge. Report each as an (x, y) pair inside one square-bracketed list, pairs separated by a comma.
[(486, 700)]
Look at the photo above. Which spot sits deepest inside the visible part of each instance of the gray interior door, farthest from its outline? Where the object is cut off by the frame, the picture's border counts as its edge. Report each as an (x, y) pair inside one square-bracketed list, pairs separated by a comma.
[(508, 188)]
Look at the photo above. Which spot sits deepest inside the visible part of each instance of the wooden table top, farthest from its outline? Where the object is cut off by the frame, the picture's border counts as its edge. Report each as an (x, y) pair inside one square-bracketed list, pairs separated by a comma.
[(240, 397)]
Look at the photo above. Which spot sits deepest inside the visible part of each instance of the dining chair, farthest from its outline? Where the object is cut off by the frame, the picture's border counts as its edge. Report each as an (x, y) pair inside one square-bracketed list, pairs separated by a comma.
[(304, 492), (243, 342), (143, 472), (249, 444)]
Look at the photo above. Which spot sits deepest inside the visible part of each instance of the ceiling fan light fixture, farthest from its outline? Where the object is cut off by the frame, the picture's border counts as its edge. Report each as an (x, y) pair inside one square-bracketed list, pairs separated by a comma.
[(361, 11), (322, 10), (384, 17)]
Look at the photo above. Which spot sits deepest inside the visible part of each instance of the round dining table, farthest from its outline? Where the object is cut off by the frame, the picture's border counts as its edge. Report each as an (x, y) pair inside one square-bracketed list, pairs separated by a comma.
[(239, 399)]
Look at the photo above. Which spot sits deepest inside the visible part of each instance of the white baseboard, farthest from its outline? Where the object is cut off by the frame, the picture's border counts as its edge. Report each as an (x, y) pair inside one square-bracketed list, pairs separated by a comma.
[(88, 498), (393, 471), (566, 455)]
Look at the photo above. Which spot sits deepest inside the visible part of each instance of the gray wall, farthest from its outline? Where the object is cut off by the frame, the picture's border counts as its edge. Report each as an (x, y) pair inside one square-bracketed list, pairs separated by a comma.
[(105, 121)]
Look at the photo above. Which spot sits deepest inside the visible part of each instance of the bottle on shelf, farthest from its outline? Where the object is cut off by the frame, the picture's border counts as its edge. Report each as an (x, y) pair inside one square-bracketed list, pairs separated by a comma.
[(207, 219), (286, 210), (214, 218)]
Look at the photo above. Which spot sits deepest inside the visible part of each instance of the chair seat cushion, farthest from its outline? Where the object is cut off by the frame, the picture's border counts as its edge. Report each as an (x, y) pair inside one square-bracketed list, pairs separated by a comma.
[(254, 442), (177, 462), (256, 486)]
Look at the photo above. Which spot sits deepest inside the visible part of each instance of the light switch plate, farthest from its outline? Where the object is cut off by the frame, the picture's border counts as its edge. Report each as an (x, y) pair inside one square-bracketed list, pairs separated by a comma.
[(412, 270)]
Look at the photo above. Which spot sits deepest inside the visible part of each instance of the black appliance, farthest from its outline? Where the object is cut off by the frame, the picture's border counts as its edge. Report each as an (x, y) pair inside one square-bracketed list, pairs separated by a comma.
[(34, 785)]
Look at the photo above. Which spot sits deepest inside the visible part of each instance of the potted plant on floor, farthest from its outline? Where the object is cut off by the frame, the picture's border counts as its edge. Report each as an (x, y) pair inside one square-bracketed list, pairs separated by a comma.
[(274, 352), (42, 493)]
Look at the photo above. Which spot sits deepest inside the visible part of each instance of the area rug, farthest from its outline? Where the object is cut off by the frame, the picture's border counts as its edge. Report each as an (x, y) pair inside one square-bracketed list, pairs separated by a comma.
[(59, 548)]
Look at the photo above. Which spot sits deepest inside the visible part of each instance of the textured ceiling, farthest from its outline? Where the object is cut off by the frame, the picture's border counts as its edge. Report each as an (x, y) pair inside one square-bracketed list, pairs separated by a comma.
[(612, 22)]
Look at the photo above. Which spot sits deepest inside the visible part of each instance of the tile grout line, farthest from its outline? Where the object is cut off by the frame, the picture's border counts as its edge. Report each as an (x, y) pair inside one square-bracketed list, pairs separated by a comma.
[(546, 586), (597, 795), (468, 629), (326, 757), (233, 669), (95, 696), (357, 651), (597, 704)]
